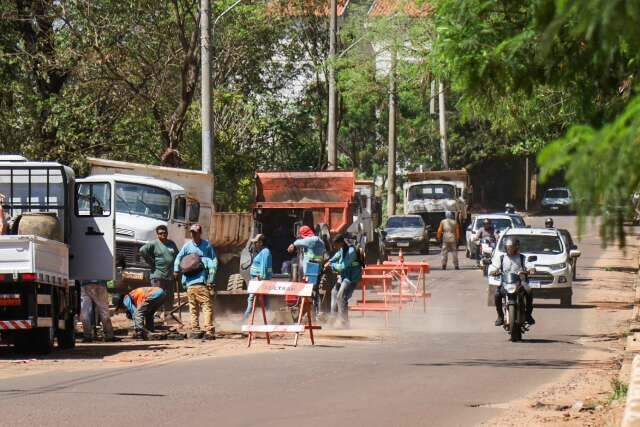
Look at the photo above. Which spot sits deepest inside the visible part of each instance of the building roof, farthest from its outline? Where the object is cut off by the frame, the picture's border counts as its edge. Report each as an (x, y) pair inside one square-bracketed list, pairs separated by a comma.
[(301, 8), (381, 8)]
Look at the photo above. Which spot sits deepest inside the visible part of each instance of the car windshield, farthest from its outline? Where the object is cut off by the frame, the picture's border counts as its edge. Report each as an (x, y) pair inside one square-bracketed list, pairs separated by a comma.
[(144, 200), (432, 191), (531, 244), (556, 194), (405, 221), (497, 223)]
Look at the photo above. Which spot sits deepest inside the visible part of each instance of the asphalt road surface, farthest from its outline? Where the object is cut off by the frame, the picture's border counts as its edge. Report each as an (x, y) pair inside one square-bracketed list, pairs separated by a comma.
[(439, 368)]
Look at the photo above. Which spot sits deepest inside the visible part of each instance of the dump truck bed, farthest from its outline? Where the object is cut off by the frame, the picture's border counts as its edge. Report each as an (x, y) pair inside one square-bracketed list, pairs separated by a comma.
[(447, 175), (303, 189)]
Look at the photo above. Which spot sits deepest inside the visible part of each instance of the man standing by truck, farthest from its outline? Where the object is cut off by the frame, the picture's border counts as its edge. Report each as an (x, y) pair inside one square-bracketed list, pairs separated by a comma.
[(449, 234), (261, 268), (160, 254), (347, 264), (197, 264), (95, 292)]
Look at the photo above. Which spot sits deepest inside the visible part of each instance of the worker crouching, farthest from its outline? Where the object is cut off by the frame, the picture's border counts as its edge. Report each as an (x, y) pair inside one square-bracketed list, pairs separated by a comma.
[(141, 305)]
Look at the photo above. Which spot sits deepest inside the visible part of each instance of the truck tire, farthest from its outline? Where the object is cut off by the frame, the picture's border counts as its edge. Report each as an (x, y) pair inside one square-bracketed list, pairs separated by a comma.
[(42, 340), (425, 249), (236, 283)]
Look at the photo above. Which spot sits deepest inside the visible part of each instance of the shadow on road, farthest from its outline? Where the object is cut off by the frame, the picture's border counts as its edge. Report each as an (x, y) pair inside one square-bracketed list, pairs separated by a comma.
[(85, 351), (570, 307), (517, 363)]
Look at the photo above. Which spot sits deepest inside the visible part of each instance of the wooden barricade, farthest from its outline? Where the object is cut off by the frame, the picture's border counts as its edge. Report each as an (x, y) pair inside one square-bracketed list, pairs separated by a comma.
[(260, 288)]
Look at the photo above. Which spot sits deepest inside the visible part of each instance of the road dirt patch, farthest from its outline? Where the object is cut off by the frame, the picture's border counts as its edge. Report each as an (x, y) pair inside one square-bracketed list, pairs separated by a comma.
[(587, 395)]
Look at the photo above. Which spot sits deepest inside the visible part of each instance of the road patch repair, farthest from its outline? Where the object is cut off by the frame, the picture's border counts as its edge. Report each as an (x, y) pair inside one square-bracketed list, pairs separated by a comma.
[(593, 390)]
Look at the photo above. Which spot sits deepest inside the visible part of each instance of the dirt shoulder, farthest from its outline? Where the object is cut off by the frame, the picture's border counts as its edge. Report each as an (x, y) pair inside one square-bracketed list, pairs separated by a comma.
[(585, 395)]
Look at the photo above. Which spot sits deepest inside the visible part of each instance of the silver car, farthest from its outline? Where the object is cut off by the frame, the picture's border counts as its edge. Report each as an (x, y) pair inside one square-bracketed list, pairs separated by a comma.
[(557, 199)]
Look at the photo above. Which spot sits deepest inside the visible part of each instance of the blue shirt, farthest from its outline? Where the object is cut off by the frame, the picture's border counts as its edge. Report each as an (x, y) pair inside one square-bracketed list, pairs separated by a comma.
[(345, 262), (131, 306), (261, 265), (313, 249), (209, 260)]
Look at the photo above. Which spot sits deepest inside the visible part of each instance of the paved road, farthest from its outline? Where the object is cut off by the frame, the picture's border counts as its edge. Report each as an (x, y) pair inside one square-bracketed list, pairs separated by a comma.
[(436, 370)]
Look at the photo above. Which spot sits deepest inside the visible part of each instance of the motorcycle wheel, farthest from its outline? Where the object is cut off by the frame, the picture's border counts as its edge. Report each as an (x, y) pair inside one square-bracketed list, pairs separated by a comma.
[(514, 330), (485, 270)]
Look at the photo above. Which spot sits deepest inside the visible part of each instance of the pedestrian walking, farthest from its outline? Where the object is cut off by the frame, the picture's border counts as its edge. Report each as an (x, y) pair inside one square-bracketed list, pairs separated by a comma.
[(449, 234), (95, 292), (160, 254), (346, 262), (261, 268), (196, 266), (142, 304)]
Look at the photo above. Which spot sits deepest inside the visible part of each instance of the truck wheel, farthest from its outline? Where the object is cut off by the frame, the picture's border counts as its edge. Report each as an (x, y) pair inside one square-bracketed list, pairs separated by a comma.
[(565, 299), (42, 340), (236, 283), (67, 337)]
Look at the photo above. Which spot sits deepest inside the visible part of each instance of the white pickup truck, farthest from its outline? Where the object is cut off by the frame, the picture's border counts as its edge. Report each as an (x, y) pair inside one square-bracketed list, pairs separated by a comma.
[(54, 238)]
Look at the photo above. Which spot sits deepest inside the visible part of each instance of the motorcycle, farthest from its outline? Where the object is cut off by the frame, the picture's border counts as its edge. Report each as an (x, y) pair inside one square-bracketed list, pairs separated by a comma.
[(514, 303), (486, 248)]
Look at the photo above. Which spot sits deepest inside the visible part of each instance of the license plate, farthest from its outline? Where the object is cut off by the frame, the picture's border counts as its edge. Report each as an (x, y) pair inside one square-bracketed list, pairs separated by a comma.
[(534, 284), (132, 275), (403, 244), (555, 208)]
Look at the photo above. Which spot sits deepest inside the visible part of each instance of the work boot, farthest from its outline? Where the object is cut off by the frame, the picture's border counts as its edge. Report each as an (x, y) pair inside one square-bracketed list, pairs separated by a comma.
[(530, 319), (196, 335), (211, 335), (499, 321)]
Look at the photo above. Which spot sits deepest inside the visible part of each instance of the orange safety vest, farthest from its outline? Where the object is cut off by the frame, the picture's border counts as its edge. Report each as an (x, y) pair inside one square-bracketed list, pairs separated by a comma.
[(139, 295)]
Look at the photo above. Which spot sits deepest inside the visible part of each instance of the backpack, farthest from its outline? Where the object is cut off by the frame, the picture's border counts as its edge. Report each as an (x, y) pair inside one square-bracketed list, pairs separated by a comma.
[(191, 264), (360, 254)]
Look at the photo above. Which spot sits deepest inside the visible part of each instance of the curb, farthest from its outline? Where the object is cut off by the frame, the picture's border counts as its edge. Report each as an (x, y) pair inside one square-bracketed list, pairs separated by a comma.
[(631, 415)]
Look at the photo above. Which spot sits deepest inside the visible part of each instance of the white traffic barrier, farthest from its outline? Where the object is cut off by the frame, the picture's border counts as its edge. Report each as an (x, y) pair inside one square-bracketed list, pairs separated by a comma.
[(632, 409)]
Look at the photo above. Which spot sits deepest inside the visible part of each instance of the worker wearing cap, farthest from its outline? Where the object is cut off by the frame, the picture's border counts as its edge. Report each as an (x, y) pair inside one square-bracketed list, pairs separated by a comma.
[(199, 283), (313, 252), (347, 264), (142, 303), (261, 267), (312, 246)]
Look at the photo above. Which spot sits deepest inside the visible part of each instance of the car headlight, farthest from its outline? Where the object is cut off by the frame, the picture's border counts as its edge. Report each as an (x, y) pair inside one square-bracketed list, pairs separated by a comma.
[(510, 288), (560, 266), (419, 238)]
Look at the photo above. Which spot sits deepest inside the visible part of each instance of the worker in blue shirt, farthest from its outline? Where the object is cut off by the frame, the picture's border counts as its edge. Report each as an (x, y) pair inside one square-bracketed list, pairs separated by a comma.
[(347, 264), (199, 281), (261, 268), (313, 253)]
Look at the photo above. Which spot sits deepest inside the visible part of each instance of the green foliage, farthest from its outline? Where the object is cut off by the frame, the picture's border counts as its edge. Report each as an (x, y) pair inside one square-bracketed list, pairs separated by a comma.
[(620, 390)]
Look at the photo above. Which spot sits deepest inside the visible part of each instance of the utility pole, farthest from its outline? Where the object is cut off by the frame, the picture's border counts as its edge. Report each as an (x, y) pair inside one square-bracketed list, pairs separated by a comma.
[(332, 151), (526, 184), (443, 127), (205, 87), (391, 161)]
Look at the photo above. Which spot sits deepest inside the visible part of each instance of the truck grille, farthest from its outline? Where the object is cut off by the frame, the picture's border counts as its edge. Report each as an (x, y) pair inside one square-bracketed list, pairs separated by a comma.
[(543, 278), (128, 252)]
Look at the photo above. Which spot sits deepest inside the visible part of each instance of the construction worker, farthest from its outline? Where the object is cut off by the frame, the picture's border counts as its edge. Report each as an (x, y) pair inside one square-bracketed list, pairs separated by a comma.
[(142, 304), (198, 272), (449, 234), (261, 268), (160, 254), (94, 292), (313, 252), (346, 263)]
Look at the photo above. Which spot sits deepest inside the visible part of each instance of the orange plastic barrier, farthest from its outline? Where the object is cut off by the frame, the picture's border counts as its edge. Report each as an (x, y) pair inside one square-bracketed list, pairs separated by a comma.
[(260, 288)]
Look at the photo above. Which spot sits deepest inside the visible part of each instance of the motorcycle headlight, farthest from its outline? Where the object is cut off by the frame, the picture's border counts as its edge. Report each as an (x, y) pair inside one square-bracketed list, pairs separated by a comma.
[(560, 266), (510, 288)]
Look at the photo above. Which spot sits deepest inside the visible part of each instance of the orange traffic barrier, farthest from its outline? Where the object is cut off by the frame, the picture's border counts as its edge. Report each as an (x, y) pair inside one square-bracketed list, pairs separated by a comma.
[(260, 288)]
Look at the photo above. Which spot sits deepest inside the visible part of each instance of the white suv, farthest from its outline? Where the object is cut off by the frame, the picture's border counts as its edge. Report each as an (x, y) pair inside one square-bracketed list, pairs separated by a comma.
[(546, 252)]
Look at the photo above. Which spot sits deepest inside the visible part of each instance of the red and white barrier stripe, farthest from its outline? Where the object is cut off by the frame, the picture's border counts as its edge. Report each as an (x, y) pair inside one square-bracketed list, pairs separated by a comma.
[(6, 325), (274, 328), (272, 287)]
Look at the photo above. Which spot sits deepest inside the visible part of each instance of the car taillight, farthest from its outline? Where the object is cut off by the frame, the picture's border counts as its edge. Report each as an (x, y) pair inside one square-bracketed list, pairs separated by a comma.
[(5, 278), (28, 277)]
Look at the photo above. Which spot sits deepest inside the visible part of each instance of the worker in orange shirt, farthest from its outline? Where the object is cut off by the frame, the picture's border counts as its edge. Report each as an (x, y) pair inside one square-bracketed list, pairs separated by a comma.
[(449, 235), (141, 304)]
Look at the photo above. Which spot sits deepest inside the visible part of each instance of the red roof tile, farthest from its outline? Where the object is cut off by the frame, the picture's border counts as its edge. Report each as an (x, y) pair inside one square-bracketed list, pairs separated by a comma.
[(402, 7)]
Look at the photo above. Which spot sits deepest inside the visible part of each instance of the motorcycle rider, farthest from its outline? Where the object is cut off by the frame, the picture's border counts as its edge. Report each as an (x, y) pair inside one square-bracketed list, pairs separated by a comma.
[(487, 231), (548, 223), (509, 208), (512, 262)]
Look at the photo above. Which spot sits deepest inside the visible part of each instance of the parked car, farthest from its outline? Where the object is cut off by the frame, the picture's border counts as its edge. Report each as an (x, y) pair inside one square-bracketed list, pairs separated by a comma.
[(553, 277), (557, 199), (500, 223), (568, 240), (406, 232)]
